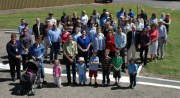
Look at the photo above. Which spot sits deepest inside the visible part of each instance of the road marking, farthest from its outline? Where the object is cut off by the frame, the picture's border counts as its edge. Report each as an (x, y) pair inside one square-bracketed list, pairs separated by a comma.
[(124, 79)]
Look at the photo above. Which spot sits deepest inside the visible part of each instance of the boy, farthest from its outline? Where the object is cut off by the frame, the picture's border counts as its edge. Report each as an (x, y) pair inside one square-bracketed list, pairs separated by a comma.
[(132, 68), (105, 66), (93, 67), (117, 63)]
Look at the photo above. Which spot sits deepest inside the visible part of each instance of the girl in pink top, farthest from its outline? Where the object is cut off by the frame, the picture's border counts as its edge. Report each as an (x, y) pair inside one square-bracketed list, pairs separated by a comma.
[(57, 73)]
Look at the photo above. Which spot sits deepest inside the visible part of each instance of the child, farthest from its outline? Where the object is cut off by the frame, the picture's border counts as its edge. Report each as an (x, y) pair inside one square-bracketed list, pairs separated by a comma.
[(93, 67), (81, 67), (117, 63), (57, 73), (105, 66), (132, 68)]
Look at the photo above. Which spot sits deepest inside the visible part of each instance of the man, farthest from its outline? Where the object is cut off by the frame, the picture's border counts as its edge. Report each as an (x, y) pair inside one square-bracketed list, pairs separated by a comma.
[(70, 51), (54, 38), (162, 38), (36, 52), (143, 15), (120, 13), (51, 18), (23, 21), (120, 43), (133, 43), (38, 28)]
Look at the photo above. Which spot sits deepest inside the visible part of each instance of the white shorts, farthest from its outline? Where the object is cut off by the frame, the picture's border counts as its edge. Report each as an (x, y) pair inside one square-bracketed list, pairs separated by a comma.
[(153, 47)]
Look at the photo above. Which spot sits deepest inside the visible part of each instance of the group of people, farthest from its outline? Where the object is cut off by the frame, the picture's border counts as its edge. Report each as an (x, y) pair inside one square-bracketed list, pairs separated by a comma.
[(95, 41)]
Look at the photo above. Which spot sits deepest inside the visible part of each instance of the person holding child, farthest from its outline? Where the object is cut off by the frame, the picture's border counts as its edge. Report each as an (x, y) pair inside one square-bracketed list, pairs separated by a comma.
[(132, 68), (106, 66), (117, 63), (81, 67), (93, 67), (57, 70)]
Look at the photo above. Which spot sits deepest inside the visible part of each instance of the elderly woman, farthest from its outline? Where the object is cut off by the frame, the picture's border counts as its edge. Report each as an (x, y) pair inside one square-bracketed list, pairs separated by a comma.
[(14, 56), (153, 34)]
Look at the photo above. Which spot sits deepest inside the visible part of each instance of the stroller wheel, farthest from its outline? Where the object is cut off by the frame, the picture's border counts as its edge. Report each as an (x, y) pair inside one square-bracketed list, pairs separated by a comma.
[(18, 92), (31, 93)]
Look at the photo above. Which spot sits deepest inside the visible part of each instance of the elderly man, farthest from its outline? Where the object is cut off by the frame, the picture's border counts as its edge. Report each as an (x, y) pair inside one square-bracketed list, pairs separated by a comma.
[(70, 51), (162, 38), (38, 28), (51, 18), (133, 43)]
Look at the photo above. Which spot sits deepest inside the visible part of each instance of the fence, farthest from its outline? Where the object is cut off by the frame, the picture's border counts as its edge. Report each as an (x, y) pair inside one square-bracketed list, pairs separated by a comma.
[(17, 4)]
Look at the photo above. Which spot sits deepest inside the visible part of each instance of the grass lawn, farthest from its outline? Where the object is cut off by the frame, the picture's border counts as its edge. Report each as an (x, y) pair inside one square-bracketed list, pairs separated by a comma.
[(168, 67)]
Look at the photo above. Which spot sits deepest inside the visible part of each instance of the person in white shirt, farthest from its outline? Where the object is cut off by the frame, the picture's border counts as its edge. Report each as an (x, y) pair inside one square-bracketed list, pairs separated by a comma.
[(51, 18), (84, 18), (153, 19)]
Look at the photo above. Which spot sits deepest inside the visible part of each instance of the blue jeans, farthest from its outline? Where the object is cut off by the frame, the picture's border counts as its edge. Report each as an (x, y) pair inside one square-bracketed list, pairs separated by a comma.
[(54, 49), (68, 70), (82, 78)]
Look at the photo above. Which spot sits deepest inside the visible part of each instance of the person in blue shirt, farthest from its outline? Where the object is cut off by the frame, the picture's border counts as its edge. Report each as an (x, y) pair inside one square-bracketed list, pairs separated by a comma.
[(120, 13), (84, 44), (81, 67), (54, 38), (132, 70), (20, 27), (36, 52), (14, 48), (131, 13), (93, 67)]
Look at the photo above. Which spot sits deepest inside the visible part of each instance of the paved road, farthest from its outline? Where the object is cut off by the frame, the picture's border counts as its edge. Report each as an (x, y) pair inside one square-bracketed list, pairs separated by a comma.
[(154, 3)]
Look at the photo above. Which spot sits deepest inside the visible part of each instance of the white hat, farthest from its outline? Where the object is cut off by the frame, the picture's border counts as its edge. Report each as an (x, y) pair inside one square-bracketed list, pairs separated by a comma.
[(160, 20), (81, 58)]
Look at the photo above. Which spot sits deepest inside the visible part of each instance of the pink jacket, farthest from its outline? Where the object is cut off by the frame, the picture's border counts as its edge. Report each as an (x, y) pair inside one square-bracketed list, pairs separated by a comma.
[(57, 71)]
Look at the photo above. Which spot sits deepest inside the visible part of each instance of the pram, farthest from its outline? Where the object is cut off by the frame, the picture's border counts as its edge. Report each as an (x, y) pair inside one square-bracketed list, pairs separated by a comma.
[(29, 79)]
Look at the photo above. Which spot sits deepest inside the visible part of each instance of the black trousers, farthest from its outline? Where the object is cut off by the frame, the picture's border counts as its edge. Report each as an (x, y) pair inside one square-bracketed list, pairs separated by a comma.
[(100, 54), (132, 80), (122, 54), (14, 67), (25, 58), (105, 73), (68, 70), (144, 58)]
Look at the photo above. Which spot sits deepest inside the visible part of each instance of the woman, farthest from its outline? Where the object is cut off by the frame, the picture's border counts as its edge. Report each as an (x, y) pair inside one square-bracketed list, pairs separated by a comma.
[(153, 19), (110, 44), (84, 44), (167, 22), (145, 41), (153, 34), (14, 48)]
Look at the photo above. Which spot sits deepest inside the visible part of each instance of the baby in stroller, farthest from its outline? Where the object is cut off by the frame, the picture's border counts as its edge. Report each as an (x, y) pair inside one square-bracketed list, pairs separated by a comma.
[(29, 79)]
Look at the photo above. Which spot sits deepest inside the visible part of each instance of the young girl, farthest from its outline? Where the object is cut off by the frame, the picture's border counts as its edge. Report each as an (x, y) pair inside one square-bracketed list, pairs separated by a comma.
[(57, 73), (81, 67), (132, 68)]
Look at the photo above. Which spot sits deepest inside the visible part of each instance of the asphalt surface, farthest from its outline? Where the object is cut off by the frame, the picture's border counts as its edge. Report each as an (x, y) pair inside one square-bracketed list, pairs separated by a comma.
[(170, 4), (8, 88)]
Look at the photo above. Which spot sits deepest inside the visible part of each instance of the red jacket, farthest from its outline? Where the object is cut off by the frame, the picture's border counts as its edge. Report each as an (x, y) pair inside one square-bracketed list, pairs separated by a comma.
[(64, 37), (110, 44)]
